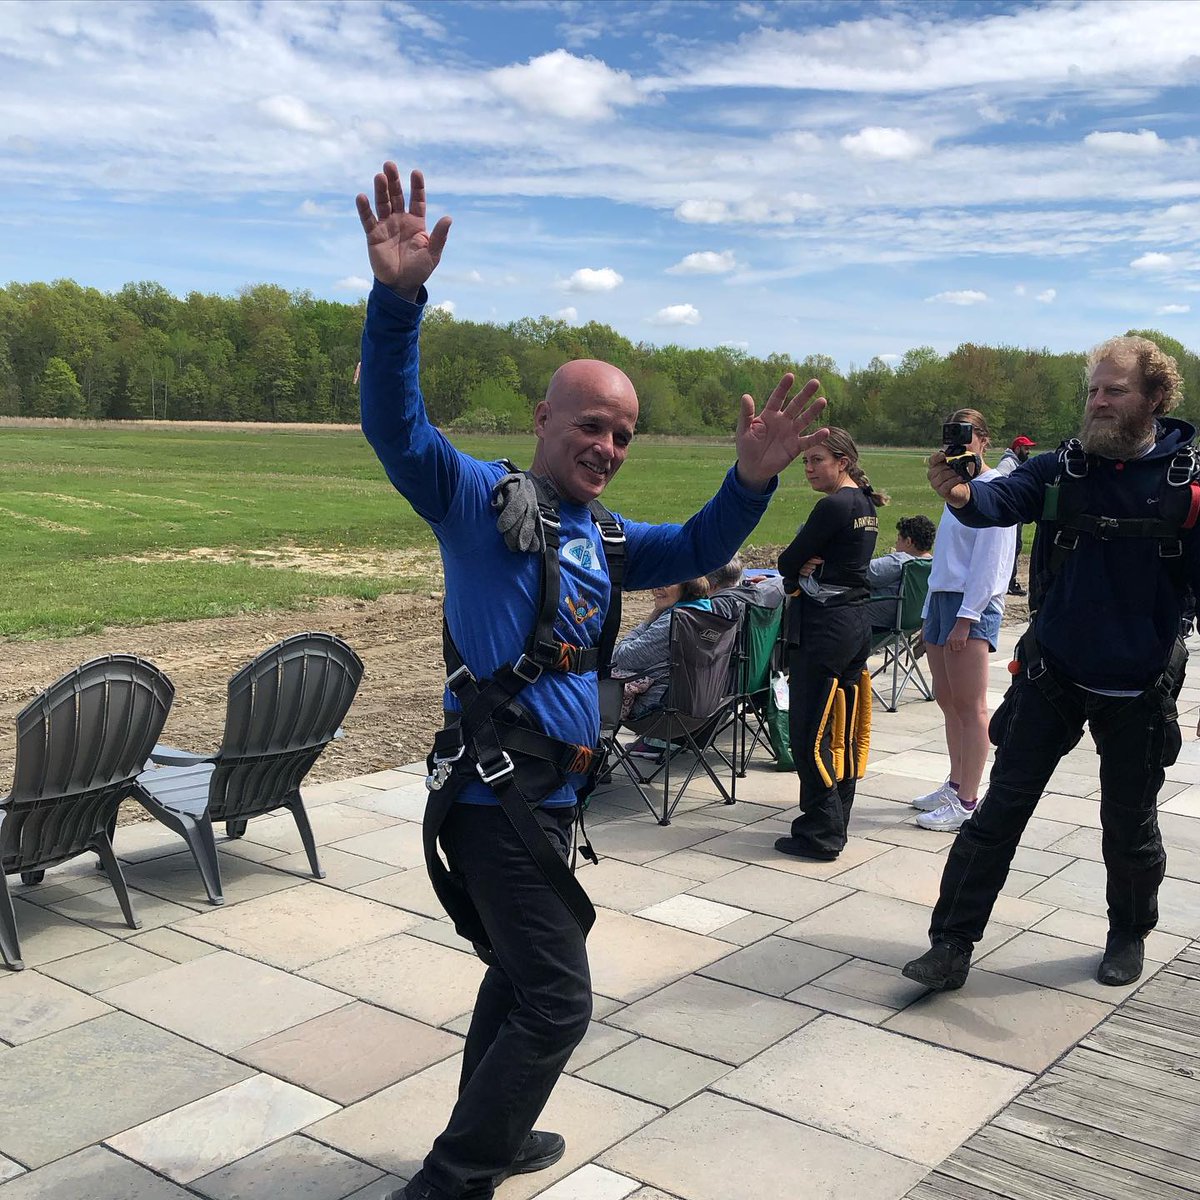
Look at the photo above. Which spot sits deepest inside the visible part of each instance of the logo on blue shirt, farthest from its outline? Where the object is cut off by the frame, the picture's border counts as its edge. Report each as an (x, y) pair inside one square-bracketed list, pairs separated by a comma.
[(583, 553)]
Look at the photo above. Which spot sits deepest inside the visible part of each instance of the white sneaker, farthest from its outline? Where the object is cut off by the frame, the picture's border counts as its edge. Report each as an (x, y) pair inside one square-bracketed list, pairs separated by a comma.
[(948, 818), (942, 794)]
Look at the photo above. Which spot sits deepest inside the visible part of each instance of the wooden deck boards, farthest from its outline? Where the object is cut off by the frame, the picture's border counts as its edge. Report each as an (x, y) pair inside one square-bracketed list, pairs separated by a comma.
[(1117, 1118)]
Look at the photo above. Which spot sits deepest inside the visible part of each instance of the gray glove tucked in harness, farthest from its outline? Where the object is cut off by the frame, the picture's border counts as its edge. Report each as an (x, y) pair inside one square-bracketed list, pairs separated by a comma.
[(515, 499)]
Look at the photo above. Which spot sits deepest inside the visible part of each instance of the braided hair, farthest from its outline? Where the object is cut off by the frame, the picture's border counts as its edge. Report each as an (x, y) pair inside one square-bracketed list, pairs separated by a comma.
[(841, 444)]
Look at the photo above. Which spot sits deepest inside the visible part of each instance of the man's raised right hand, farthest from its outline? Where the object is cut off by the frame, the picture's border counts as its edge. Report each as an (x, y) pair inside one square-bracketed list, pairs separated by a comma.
[(402, 253), (947, 482)]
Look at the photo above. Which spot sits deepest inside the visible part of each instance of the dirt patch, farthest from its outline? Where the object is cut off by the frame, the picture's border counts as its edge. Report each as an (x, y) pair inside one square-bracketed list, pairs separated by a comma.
[(378, 564), (398, 708), (42, 522)]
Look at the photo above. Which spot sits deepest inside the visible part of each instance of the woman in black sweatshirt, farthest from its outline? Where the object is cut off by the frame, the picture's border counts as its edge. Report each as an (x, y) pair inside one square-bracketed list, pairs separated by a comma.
[(828, 641)]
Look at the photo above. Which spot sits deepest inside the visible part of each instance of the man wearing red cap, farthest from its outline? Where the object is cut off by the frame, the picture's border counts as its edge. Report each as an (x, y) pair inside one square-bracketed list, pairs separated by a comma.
[(1010, 460)]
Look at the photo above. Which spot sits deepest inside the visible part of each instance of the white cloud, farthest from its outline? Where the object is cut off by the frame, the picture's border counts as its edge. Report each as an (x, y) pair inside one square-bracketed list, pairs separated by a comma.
[(1152, 261), (353, 283), (291, 112), (676, 314), (1019, 290), (965, 299), (1046, 297), (703, 212), (801, 139), (588, 279), (878, 141), (705, 262), (1173, 310), (446, 306), (570, 314), (310, 208), (754, 210), (559, 84), (1061, 48), (889, 358), (1145, 141), (734, 345)]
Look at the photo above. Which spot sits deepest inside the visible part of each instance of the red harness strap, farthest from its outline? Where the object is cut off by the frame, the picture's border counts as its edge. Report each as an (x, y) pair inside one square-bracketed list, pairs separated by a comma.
[(1193, 507)]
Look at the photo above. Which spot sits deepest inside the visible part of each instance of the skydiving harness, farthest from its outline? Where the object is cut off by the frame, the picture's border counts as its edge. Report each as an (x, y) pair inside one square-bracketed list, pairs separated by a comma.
[(1065, 522), (494, 738)]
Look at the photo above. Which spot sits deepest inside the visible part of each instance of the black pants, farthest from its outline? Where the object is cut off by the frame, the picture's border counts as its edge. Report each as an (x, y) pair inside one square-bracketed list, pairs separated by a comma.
[(534, 1003), (1013, 580), (832, 652), (1134, 738)]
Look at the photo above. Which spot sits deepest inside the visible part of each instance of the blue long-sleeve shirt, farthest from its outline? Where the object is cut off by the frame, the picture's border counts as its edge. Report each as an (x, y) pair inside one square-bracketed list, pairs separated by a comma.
[(491, 592), (1111, 614)]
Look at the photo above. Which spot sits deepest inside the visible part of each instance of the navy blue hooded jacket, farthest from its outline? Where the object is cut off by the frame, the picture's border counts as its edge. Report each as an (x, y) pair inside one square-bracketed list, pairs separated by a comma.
[(1111, 614)]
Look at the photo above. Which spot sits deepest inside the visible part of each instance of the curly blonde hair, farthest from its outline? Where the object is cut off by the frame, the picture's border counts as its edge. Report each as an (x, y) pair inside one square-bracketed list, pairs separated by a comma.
[(1159, 371)]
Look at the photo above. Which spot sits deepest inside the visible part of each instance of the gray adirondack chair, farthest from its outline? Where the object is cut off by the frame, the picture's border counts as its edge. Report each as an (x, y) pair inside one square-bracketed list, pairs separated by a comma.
[(80, 746), (284, 708)]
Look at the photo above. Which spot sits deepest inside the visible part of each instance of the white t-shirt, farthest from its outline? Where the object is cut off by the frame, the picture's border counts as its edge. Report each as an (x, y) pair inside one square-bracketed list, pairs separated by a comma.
[(976, 562)]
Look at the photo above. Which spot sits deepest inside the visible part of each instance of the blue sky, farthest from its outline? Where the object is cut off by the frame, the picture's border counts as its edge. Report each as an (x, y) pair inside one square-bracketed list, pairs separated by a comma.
[(837, 178)]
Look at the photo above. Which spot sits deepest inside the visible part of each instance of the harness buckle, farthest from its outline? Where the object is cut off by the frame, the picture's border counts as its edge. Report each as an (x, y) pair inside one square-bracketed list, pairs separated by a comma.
[(1172, 549), (1106, 527), (443, 768), (1035, 670), (1061, 536), (526, 669), (502, 772), (615, 537), (1182, 468), (456, 679), (1074, 459)]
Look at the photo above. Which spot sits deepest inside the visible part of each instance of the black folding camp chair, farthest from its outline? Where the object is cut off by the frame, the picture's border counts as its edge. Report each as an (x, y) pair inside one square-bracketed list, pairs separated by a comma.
[(80, 746), (901, 644), (701, 694), (284, 708)]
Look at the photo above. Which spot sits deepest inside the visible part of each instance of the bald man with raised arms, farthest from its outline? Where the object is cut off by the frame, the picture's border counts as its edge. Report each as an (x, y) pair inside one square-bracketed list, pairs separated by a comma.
[(528, 924)]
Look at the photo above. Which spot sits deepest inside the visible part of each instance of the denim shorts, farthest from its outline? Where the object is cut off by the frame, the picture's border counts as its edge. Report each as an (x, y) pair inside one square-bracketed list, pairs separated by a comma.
[(943, 612)]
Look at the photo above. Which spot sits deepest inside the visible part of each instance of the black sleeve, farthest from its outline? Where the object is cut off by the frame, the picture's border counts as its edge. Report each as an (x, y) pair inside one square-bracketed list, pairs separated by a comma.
[(824, 523)]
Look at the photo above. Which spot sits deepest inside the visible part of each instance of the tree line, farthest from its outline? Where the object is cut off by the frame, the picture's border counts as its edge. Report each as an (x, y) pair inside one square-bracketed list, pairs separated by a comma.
[(267, 354)]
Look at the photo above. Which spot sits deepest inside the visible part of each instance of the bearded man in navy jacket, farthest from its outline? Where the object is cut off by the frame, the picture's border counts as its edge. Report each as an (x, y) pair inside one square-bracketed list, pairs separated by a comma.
[(1116, 546), (535, 1000)]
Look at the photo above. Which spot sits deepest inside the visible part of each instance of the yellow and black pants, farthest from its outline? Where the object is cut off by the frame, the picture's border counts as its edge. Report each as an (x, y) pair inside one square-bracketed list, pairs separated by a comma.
[(829, 718)]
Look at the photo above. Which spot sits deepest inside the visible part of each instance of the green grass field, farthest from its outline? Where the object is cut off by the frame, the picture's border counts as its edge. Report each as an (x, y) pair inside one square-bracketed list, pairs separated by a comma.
[(80, 506)]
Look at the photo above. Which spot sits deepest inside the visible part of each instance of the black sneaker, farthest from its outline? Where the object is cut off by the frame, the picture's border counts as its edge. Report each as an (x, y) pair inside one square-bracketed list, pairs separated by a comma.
[(1015, 589), (539, 1151), (942, 968), (1124, 957)]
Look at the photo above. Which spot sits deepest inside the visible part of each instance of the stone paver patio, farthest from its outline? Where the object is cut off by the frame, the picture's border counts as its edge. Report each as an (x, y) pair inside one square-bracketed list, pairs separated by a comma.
[(752, 1035)]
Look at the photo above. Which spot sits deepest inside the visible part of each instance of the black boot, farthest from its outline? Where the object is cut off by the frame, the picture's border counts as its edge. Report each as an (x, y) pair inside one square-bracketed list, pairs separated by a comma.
[(942, 968), (804, 848), (1124, 955), (539, 1151)]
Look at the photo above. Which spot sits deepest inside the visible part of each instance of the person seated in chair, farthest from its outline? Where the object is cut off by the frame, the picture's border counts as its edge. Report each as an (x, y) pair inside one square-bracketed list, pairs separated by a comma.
[(731, 588), (914, 539), (642, 658)]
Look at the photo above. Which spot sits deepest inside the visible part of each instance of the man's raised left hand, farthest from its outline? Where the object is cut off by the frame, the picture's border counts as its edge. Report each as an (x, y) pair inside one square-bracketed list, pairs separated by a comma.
[(768, 441)]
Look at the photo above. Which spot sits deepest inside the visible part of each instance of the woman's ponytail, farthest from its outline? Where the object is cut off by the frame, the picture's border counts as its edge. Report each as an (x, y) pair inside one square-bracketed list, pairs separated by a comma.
[(842, 445)]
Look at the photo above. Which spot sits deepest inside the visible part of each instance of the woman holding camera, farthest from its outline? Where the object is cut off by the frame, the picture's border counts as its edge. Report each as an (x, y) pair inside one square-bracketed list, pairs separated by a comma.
[(967, 582), (828, 640)]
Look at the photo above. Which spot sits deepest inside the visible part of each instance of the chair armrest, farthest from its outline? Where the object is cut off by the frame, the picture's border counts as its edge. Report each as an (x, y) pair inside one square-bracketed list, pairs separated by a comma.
[(172, 756)]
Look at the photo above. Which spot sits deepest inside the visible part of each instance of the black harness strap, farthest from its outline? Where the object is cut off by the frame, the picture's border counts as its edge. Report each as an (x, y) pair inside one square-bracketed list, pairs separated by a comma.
[(1065, 521), (494, 735)]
